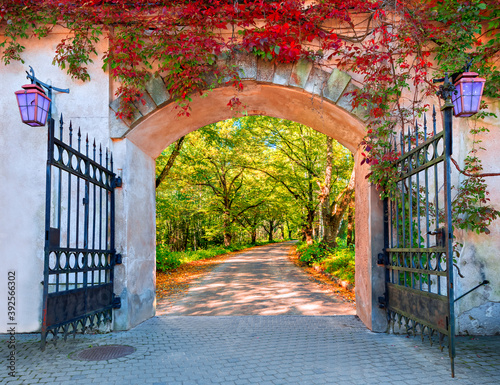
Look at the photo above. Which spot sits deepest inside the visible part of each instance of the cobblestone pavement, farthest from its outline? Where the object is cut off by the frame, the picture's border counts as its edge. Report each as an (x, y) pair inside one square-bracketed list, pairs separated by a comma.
[(293, 344), (261, 281), (265, 350)]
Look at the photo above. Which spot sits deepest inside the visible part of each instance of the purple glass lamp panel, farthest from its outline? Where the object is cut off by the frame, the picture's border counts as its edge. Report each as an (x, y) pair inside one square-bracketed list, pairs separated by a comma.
[(43, 108), (468, 98), (477, 92), (33, 105), (457, 101), (22, 103)]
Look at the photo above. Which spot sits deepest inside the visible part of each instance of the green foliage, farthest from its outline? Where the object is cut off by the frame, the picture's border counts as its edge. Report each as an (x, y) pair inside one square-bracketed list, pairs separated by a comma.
[(243, 180), (338, 261), (471, 208), (166, 260), (312, 254), (475, 35)]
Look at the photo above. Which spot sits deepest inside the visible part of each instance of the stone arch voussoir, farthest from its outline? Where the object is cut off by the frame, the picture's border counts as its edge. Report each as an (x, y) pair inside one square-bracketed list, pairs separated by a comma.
[(332, 86)]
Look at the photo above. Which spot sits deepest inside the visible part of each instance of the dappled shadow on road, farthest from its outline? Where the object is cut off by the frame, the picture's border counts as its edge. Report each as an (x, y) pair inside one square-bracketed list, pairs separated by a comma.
[(261, 281)]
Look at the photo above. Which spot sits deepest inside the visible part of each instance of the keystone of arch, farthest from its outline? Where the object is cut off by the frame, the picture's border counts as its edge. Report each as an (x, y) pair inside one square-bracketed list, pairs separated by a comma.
[(302, 75)]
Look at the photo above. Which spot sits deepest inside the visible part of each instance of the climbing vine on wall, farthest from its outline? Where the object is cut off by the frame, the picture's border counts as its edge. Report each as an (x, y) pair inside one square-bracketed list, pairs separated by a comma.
[(395, 46)]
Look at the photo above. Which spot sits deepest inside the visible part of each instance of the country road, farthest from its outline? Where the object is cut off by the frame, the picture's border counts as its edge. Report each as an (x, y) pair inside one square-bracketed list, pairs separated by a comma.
[(260, 281)]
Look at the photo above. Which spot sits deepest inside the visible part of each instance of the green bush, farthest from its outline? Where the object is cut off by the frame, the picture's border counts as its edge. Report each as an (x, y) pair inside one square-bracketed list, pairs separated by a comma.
[(339, 261), (311, 254)]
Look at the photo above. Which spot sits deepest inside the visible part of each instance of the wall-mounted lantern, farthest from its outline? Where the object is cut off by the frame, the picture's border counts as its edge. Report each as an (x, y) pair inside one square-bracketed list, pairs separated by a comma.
[(34, 104), (467, 98)]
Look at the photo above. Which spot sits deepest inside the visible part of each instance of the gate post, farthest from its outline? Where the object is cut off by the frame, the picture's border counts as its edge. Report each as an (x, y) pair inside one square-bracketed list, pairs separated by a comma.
[(370, 281), (135, 278)]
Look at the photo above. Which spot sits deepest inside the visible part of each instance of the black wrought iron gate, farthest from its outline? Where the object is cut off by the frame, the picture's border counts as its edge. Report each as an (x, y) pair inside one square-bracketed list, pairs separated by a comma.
[(79, 236), (418, 243)]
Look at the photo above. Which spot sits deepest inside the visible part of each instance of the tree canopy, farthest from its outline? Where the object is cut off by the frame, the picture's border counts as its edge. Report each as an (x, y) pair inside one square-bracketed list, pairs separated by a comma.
[(238, 177)]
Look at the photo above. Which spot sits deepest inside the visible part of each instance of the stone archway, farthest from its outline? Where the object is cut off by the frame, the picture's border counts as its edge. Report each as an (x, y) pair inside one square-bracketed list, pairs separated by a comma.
[(300, 92)]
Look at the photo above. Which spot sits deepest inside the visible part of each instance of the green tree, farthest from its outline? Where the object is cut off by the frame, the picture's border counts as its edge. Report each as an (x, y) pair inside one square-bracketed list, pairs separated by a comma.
[(241, 176), (295, 157), (216, 160)]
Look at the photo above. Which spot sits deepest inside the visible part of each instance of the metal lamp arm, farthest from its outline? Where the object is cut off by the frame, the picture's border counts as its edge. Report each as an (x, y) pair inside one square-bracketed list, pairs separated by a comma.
[(31, 75)]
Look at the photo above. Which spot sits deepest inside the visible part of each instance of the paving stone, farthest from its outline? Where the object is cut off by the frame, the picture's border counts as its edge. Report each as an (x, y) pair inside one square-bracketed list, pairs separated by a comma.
[(247, 65), (115, 106), (300, 73), (345, 102), (336, 85), (280, 349), (282, 74), (148, 106)]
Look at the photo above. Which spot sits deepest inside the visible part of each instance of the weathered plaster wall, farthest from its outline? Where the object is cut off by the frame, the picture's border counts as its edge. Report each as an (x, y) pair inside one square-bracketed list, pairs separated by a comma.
[(23, 152), (479, 312)]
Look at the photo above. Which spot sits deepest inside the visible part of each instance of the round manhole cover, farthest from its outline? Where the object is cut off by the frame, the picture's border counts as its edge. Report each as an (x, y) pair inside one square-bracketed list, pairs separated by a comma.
[(103, 353)]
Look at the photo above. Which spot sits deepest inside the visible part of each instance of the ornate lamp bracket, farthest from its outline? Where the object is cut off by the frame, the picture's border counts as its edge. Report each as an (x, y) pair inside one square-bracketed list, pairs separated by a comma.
[(446, 91)]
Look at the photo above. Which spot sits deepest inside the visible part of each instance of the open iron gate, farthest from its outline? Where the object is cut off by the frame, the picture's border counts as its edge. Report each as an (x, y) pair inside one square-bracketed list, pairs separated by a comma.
[(418, 238), (79, 236)]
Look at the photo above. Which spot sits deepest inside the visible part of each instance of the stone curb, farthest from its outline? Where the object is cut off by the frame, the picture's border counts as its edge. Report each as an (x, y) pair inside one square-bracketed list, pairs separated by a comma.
[(346, 285)]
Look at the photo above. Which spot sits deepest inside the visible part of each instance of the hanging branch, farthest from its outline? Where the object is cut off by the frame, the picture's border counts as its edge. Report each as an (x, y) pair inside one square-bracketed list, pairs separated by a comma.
[(480, 175)]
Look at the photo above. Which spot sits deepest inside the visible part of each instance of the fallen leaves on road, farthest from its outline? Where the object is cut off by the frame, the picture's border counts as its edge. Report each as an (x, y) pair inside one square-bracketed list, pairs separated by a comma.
[(174, 283), (315, 276)]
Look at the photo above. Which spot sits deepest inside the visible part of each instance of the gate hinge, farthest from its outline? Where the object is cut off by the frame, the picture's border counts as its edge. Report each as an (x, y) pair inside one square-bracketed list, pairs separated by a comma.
[(118, 259), (117, 182), (117, 302), (381, 259), (382, 303)]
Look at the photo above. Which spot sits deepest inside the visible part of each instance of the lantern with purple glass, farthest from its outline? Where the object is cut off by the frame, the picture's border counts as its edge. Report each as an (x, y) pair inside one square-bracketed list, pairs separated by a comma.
[(33, 105), (467, 98)]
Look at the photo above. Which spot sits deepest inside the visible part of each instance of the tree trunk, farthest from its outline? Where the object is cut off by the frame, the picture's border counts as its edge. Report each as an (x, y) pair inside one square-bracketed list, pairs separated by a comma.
[(271, 230), (227, 239), (227, 230), (170, 161), (307, 230), (254, 236), (308, 235), (186, 236), (350, 225), (326, 210), (338, 210)]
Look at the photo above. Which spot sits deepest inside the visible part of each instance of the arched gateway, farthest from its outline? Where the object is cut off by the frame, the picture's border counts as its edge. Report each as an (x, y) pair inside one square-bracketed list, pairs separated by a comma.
[(301, 92)]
